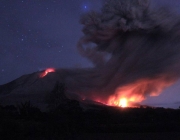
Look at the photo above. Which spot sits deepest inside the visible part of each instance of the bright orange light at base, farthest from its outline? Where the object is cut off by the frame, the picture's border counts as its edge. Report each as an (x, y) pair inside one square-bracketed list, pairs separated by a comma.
[(123, 102), (133, 94), (46, 72)]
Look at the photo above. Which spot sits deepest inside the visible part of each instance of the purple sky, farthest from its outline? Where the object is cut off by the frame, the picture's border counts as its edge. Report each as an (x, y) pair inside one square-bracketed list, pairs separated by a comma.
[(36, 35)]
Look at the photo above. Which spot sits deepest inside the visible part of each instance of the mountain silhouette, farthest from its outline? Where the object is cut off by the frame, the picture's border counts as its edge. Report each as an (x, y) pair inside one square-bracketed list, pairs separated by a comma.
[(40, 90), (30, 87)]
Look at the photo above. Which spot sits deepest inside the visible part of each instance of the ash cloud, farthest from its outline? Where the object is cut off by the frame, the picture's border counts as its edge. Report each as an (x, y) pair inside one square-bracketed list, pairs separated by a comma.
[(143, 46)]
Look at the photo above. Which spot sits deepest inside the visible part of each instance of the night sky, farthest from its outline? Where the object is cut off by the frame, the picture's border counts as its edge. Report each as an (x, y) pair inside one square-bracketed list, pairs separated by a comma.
[(35, 35)]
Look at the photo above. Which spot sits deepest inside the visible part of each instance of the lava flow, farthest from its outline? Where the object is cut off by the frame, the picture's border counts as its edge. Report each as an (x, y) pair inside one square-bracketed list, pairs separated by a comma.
[(122, 102), (131, 95), (45, 72)]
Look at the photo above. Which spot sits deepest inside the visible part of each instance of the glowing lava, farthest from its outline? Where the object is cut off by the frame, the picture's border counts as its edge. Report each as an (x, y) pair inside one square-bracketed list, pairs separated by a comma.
[(132, 94), (123, 102), (46, 72)]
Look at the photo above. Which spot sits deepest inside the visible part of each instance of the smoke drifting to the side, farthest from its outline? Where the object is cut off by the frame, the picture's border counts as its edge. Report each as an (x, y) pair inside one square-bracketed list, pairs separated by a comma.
[(135, 51)]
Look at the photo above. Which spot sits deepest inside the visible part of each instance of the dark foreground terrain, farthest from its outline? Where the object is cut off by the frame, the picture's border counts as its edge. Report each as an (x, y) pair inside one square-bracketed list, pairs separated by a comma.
[(100, 122)]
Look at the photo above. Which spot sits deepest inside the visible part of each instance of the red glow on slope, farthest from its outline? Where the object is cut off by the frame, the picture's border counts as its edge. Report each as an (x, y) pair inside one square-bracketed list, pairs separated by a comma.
[(46, 72), (136, 92)]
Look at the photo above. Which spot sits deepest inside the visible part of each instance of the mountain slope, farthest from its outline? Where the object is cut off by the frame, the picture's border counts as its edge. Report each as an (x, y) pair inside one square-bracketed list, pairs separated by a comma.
[(30, 87)]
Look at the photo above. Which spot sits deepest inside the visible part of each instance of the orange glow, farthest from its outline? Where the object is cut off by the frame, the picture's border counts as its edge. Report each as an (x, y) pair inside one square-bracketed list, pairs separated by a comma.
[(132, 94), (46, 72), (123, 102)]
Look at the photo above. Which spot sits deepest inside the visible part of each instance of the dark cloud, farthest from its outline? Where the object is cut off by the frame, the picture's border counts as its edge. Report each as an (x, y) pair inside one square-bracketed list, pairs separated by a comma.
[(143, 46)]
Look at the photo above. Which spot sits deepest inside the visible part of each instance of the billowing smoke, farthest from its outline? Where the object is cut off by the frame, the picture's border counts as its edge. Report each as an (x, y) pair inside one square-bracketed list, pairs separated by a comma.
[(135, 51)]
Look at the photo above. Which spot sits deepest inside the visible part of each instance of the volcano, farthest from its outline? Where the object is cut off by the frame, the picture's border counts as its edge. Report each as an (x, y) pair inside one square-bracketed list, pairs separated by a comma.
[(36, 88), (134, 51), (31, 87)]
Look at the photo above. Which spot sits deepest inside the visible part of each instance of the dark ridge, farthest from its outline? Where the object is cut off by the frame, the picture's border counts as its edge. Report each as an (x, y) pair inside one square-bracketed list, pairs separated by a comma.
[(8, 87)]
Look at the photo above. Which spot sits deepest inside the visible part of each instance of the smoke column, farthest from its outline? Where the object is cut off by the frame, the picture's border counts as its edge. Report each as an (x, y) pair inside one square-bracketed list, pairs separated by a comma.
[(135, 52)]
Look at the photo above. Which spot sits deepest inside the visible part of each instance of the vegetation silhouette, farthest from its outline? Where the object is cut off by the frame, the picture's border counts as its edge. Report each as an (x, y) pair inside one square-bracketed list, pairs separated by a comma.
[(66, 119)]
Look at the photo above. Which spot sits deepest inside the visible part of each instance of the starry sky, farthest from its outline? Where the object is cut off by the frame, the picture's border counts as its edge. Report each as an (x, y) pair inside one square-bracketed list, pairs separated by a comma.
[(35, 35)]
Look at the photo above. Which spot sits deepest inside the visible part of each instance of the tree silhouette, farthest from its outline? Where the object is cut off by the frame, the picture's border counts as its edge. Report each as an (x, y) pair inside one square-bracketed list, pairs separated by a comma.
[(57, 96), (27, 110)]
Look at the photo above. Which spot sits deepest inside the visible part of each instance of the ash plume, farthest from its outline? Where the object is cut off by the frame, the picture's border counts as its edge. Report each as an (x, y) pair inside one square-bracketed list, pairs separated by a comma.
[(132, 47)]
